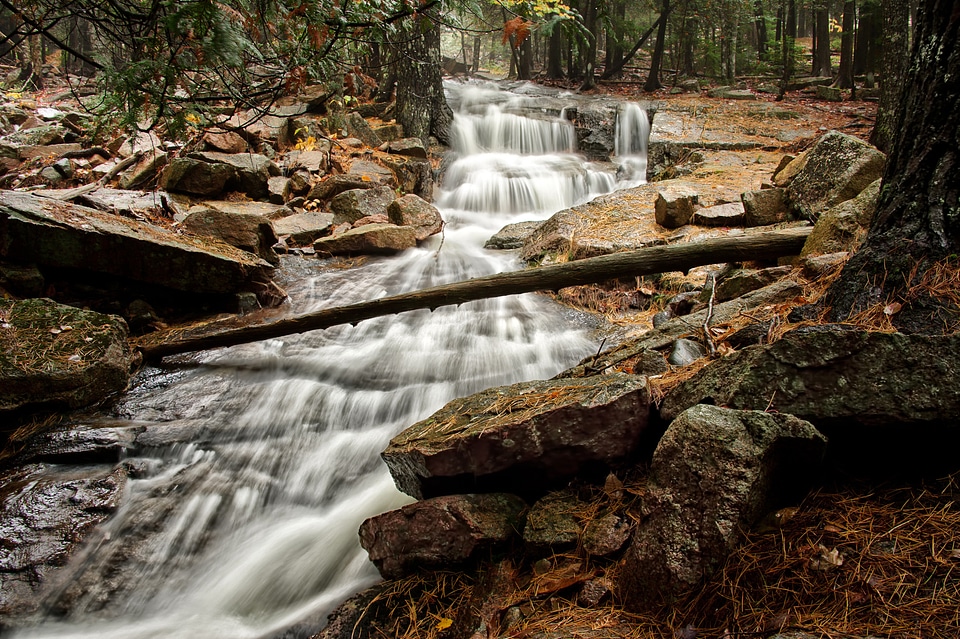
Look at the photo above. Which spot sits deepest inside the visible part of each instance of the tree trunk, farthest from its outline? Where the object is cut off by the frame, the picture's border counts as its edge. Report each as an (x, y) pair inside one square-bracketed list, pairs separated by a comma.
[(845, 73), (917, 221), (895, 15), (476, 54), (614, 53), (525, 59), (760, 23), (653, 80), (821, 53), (658, 259), (421, 106), (792, 19), (589, 60), (608, 73), (865, 48), (555, 54), (786, 46)]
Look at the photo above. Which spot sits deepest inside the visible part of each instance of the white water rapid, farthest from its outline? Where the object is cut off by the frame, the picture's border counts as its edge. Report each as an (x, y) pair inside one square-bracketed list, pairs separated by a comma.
[(254, 471)]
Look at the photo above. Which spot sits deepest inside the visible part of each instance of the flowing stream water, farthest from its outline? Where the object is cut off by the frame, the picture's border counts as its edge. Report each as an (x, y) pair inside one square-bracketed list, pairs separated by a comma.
[(254, 471)]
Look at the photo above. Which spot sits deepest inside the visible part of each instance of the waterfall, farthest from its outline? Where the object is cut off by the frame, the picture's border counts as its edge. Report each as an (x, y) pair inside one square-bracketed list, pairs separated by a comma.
[(631, 135), (255, 468)]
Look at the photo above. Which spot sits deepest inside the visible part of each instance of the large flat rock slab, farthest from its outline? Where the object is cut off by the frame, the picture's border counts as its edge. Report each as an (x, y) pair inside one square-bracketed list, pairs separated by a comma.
[(58, 234), (523, 438)]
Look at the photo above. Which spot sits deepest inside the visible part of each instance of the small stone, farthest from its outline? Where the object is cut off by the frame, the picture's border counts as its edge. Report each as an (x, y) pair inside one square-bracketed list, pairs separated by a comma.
[(685, 352), (606, 535), (592, 593), (675, 206)]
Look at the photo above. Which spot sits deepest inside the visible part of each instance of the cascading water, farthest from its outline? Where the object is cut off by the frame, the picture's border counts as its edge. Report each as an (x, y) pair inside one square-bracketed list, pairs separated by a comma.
[(254, 471), (631, 136)]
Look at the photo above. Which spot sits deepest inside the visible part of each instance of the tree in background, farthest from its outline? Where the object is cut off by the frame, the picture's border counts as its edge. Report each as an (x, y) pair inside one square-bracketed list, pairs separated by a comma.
[(895, 19)]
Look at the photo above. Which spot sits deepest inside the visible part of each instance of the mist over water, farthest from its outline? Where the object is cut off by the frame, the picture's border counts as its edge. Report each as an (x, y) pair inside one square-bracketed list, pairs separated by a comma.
[(254, 471)]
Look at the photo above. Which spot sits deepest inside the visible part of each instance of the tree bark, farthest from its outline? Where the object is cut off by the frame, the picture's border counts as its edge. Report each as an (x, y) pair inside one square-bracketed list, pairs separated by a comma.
[(589, 60), (865, 48), (845, 73), (659, 259), (653, 80), (609, 73), (917, 221), (895, 16), (422, 109), (555, 54), (760, 23), (614, 53), (821, 53)]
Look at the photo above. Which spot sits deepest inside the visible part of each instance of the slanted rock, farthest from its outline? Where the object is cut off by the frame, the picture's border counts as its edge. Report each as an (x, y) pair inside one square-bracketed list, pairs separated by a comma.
[(250, 170), (412, 210), (789, 170), (57, 356), (837, 168), (145, 171), (413, 174), (372, 172), (764, 207), (731, 214), (554, 236), (552, 523), (441, 532), (714, 473), (370, 239), (743, 281), (843, 227), (52, 233), (412, 147), (675, 205), (530, 435), (302, 229), (359, 128), (354, 204), (334, 185), (512, 236), (224, 142), (190, 175), (246, 231)]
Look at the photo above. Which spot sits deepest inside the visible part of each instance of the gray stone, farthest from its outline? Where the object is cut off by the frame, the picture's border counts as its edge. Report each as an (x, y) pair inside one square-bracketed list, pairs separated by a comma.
[(552, 523), (675, 205), (744, 281), (371, 239), (408, 146), (189, 175), (371, 171), (51, 175), (411, 210), (714, 473), (830, 94), (764, 207), (607, 534), (843, 227), (246, 231), (352, 205), (730, 93), (312, 161), (43, 135), (836, 169), (359, 128), (265, 210), (278, 189), (531, 435), (442, 532), (302, 229), (251, 170), (731, 214), (57, 356), (334, 185), (685, 352), (413, 174), (512, 236), (144, 171)]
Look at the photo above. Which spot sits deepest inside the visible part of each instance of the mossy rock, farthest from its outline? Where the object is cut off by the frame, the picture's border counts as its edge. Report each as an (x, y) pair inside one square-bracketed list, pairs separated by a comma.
[(59, 357)]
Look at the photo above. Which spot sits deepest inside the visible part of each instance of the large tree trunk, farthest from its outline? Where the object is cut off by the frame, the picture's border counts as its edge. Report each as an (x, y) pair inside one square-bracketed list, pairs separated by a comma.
[(614, 53), (917, 221), (895, 15), (653, 80), (845, 73), (760, 24), (589, 60), (421, 106), (865, 49), (821, 52), (555, 54), (657, 259)]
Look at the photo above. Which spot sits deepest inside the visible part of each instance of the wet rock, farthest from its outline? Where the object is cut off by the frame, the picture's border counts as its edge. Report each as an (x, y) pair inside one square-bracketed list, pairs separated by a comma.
[(606, 535), (743, 281), (714, 473), (552, 523), (190, 175), (97, 443), (413, 175), (880, 397), (512, 236), (302, 229), (59, 356), (594, 126), (554, 236), (411, 210), (731, 214), (675, 205), (441, 532), (45, 513), (843, 227), (57, 234), (531, 435), (246, 231), (24, 280), (354, 204), (359, 128), (372, 172), (371, 239), (764, 207), (837, 168), (685, 352), (224, 142), (335, 184), (412, 147), (250, 170)]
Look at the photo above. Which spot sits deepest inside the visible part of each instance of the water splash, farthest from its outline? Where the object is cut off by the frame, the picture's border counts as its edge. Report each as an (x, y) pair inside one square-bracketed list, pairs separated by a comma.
[(631, 136)]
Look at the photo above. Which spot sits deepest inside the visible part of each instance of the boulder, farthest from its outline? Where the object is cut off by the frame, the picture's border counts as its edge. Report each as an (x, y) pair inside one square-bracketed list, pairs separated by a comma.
[(552, 523), (43, 135), (714, 473), (789, 170), (312, 161), (685, 352), (224, 142), (441, 532), (145, 171), (49, 150), (334, 185), (354, 204), (531, 435), (730, 93), (743, 281), (190, 175), (412, 147), (264, 210), (302, 229), (45, 514), (764, 207), (53, 233), (675, 205), (554, 236), (357, 127), (837, 168), (140, 142), (248, 232), (251, 170), (607, 534), (512, 236), (594, 125), (371, 239), (882, 398), (57, 356), (372, 172), (731, 214), (413, 174), (412, 210), (278, 189), (843, 227), (830, 94)]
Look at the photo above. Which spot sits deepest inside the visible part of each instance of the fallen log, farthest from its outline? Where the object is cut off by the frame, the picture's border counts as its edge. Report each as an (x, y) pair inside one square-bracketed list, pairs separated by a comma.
[(646, 261)]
